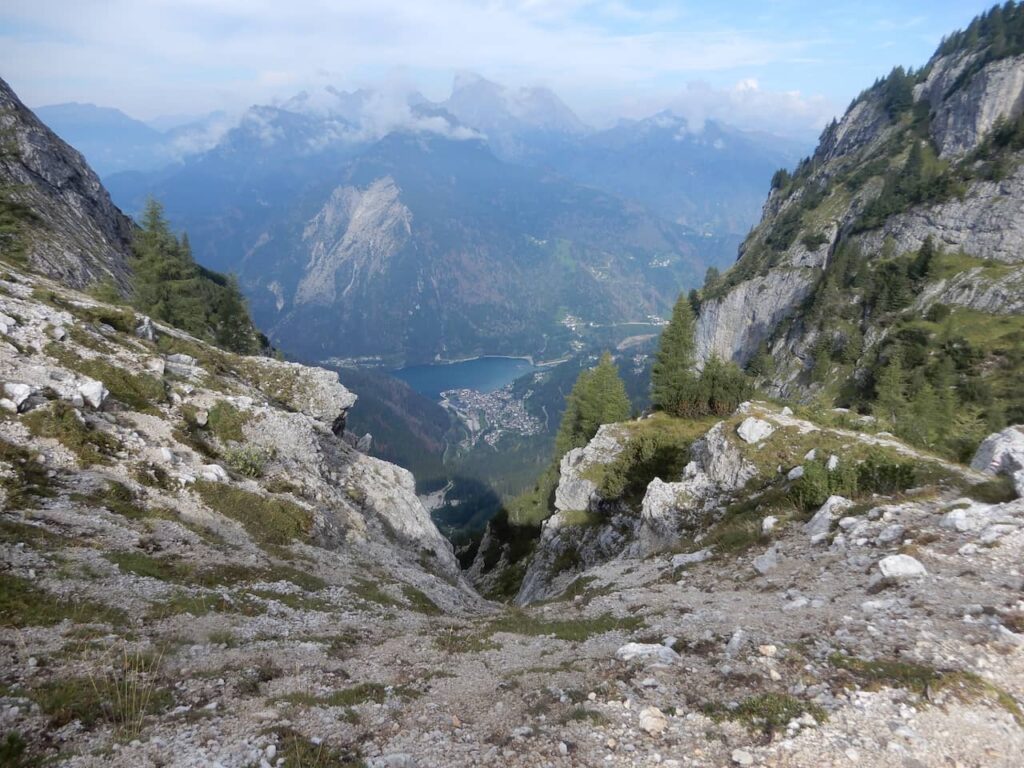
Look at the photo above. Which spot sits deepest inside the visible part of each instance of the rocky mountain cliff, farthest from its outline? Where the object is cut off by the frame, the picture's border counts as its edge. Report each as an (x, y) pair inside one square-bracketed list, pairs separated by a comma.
[(929, 159), (54, 213)]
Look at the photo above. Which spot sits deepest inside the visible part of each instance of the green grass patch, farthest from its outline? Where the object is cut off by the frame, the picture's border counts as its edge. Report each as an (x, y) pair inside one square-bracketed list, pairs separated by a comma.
[(369, 591), (35, 536), (574, 630), (767, 713), (139, 391), (419, 601), (267, 521), (22, 604), (298, 751), (27, 480), (120, 701), (226, 422), (998, 490), (63, 423), (925, 681)]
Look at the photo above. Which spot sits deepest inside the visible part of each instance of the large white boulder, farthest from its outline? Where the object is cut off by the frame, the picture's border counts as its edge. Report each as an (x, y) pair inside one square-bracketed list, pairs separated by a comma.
[(754, 430), (93, 392), (901, 567), (17, 393)]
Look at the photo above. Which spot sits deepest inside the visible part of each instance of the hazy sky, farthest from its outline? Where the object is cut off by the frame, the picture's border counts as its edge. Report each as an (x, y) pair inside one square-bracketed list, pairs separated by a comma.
[(783, 64)]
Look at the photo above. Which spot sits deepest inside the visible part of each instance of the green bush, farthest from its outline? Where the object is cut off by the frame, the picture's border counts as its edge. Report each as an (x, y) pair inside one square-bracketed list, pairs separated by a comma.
[(248, 460)]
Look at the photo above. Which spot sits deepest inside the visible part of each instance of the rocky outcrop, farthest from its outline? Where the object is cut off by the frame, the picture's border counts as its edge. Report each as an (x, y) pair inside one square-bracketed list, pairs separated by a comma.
[(1002, 453), (576, 491), (71, 231), (963, 116), (987, 222), (263, 427)]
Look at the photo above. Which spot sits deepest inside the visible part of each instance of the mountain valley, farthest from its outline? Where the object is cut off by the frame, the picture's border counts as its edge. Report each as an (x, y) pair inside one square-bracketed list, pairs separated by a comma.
[(743, 493)]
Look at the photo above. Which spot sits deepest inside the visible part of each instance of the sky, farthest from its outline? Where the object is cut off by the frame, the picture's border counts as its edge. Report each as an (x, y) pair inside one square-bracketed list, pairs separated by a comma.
[(786, 66)]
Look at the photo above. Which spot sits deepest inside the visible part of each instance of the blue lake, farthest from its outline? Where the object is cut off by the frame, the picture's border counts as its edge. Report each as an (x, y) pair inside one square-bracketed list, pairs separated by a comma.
[(484, 374)]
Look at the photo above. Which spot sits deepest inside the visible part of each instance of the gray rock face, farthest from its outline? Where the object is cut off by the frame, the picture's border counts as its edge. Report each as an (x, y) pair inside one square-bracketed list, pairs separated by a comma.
[(962, 119), (576, 492), (732, 327), (80, 237), (988, 223), (1001, 453)]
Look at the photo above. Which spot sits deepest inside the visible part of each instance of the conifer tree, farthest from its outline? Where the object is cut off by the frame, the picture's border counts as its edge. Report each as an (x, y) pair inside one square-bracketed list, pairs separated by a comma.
[(890, 392), (672, 379), (598, 397)]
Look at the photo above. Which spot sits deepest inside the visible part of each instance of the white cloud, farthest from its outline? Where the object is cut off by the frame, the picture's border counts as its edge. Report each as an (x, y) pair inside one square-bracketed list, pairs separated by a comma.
[(201, 55)]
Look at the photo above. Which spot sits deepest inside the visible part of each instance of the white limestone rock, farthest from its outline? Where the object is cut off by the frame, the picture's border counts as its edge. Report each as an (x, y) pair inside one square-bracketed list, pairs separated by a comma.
[(898, 567), (647, 652), (753, 430), (93, 393)]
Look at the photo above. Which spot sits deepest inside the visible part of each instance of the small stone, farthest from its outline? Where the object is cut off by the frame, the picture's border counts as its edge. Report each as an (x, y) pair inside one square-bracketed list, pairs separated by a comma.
[(563, 748), (652, 721), (58, 333), (795, 473), (202, 418), (270, 751), (735, 644), (754, 430), (769, 523), (742, 757), (821, 523), (811, 455), (767, 650), (833, 463)]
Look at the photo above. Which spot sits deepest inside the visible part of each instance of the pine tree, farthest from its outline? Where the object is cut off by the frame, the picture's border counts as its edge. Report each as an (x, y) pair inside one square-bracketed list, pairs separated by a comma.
[(672, 379), (890, 392), (598, 397)]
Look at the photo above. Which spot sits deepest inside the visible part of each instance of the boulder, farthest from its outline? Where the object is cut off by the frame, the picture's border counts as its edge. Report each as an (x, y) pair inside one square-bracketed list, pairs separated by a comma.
[(93, 393), (690, 558), (652, 721), (1001, 453), (901, 567), (17, 393), (659, 653), (213, 473), (145, 329), (753, 430), (767, 562), (821, 523)]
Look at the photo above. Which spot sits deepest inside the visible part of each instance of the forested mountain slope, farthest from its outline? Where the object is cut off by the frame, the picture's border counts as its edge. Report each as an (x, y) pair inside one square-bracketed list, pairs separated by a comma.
[(891, 263)]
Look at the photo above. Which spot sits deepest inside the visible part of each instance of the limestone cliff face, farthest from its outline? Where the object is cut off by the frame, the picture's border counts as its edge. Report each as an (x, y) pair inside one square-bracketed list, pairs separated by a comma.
[(72, 231), (956, 107), (351, 239)]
